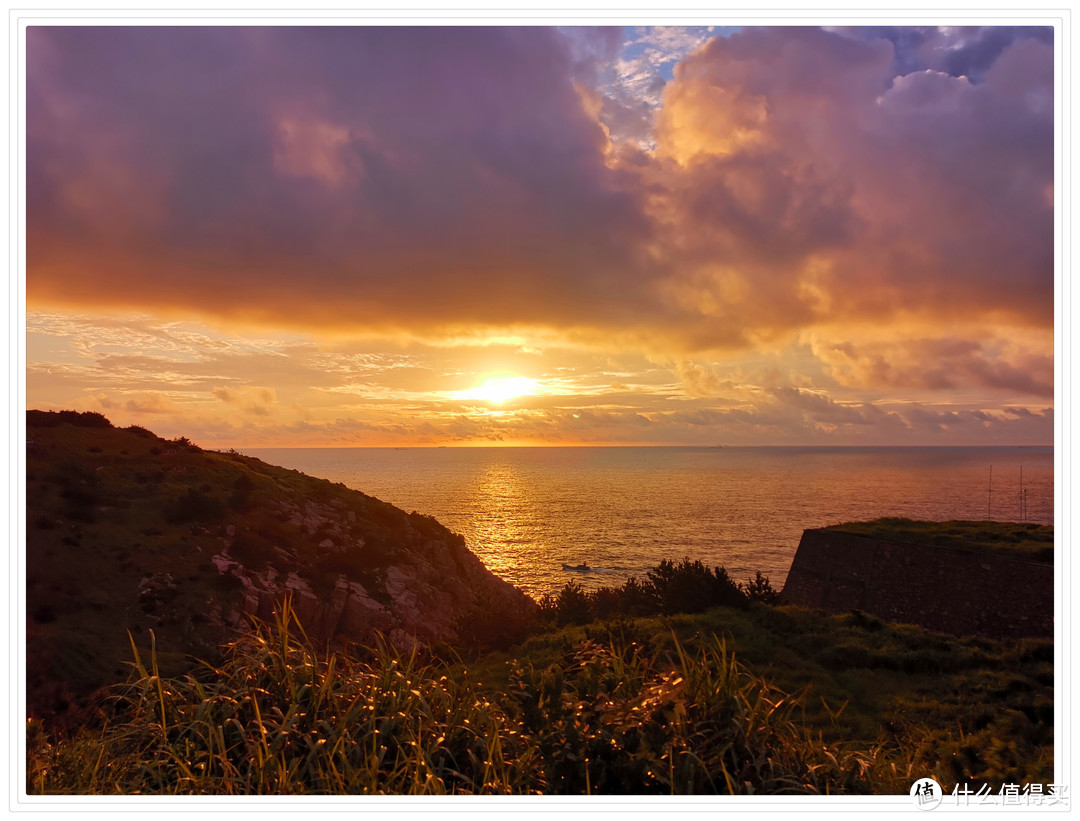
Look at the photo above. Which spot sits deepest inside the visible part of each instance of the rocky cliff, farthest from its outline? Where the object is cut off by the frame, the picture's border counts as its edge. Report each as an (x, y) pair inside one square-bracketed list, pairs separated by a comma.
[(127, 532)]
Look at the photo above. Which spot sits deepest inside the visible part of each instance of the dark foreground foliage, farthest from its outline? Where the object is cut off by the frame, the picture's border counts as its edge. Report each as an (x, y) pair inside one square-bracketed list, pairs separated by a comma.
[(53, 419), (610, 715), (670, 587), (644, 706)]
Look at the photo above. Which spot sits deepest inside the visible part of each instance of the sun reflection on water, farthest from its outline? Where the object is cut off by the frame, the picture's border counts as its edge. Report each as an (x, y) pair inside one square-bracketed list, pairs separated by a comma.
[(534, 516), (503, 535)]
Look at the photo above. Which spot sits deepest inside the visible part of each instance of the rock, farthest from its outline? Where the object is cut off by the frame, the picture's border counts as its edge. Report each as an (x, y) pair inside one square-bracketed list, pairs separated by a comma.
[(350, 564), (359, 615), (223, 563)]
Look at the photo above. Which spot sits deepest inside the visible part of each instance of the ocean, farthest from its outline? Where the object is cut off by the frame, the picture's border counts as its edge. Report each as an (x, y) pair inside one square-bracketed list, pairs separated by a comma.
[(527, 512)]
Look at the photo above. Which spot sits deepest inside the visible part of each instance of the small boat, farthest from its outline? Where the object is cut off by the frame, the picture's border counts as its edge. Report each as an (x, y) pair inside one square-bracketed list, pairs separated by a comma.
[(582, 567)]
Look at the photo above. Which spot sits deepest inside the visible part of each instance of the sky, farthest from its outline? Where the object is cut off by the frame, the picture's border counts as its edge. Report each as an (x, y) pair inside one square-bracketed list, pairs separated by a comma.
[(418, 236)]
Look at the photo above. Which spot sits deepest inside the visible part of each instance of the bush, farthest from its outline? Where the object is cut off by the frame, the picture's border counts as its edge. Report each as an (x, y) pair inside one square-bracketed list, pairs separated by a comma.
[(690, 587), (140, 431), (686, 587), (241, 497), (80, 501), (195, 506), (572, 605), (251, 550), (494, 624), (632, 599), (53, 419), (760, 590)]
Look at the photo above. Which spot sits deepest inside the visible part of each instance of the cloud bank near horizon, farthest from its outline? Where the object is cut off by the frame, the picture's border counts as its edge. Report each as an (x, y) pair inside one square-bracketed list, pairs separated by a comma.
[(879, 200)]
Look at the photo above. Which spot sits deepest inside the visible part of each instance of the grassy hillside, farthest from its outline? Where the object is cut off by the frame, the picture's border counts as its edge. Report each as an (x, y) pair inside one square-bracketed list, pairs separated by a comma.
[(1027, 542), (122, 528)]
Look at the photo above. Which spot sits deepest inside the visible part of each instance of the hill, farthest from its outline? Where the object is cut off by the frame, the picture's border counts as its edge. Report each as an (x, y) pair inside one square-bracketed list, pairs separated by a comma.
[(129, 532)]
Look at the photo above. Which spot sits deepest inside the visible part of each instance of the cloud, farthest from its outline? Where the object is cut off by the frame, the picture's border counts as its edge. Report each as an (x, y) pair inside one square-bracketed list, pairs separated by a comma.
[(249, 399), (946, 363), (956, 50), (252, 173), (141, 403), (349, 394), (806, 183), (455, 183), (702, 381)]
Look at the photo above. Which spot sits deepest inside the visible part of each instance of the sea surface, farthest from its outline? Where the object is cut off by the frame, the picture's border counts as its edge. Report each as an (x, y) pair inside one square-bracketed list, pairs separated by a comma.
[(527, 512)]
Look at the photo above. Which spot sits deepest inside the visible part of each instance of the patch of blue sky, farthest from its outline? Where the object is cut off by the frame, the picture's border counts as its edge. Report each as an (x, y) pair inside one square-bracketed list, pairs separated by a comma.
[(662, 47)]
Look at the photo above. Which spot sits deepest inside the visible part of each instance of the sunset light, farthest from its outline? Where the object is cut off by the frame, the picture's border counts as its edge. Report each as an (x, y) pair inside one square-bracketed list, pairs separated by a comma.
[(548, 396), (653, 235), (502, 389)]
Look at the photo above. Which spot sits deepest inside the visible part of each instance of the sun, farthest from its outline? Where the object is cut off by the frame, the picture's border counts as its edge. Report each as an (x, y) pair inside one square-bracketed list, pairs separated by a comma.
[(502, 389)]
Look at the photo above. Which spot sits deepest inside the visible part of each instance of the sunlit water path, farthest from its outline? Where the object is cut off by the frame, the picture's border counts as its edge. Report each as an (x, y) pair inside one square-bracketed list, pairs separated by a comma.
[(527, 512)]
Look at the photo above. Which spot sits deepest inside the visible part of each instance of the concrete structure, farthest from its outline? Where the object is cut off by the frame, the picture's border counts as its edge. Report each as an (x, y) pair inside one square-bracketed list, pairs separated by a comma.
[(962, 592)]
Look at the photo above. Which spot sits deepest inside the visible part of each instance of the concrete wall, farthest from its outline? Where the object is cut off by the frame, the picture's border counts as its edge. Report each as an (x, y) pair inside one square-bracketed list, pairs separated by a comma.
[(949, 590)]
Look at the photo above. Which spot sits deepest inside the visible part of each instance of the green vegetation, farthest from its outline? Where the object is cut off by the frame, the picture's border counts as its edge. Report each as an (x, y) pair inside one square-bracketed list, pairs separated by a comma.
[(670, 587), (683, 682), (757, 699), (121, 529), (1027, 542)]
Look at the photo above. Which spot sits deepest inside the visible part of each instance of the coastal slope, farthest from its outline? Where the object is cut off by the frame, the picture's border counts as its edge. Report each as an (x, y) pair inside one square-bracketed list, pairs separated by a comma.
[(178, 546)]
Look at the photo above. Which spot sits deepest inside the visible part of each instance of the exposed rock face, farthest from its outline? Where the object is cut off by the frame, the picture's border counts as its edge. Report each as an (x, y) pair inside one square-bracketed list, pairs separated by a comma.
[(429, 589), (133, 538)]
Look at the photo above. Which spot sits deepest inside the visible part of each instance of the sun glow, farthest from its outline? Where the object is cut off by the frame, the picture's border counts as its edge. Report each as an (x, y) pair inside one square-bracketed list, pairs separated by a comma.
[(502, 389)]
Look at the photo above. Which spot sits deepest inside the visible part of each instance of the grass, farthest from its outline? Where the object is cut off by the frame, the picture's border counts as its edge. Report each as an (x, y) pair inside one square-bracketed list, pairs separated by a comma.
[(277, 719), (621, 692), (110, 508), (745, 701), (1026, 542)]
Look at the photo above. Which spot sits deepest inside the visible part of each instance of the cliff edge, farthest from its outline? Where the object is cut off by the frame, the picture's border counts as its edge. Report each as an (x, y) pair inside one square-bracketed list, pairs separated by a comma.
[(178, 546)]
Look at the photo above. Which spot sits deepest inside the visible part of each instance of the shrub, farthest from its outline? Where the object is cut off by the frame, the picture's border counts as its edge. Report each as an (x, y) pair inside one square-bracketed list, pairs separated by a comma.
[(686, 587), (53, 419), (140, 431), (690, 587), (494, 624), (195, 506), (760, 590), (572, 605), (241, 496)]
